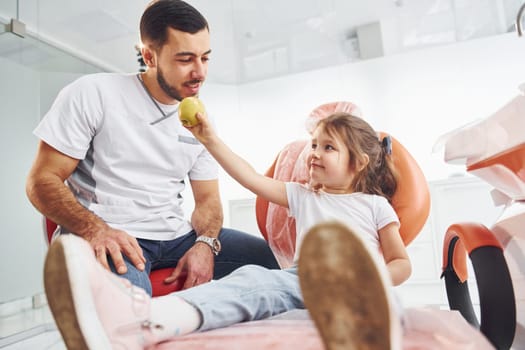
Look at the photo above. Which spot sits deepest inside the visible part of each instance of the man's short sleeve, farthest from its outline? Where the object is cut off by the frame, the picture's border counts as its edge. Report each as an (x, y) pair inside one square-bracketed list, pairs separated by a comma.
[(71, 123)]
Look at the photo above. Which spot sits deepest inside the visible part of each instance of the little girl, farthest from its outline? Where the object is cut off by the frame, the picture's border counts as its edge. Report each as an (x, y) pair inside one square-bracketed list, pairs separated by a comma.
[(344, 217)]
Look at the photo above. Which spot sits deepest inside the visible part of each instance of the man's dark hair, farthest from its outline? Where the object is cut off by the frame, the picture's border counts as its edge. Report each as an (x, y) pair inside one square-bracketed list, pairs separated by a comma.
[(163, 14)]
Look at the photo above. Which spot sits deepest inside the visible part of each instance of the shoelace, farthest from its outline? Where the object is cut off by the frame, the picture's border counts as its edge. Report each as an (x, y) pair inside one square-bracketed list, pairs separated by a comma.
[(140, 306)]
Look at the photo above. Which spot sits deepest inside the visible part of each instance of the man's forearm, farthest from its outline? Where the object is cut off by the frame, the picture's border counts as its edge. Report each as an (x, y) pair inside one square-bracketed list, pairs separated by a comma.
[(56, 202), (207, 219)]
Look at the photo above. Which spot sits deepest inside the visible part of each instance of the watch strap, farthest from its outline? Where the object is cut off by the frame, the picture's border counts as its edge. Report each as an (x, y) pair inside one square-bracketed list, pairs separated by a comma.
[(212, 242)]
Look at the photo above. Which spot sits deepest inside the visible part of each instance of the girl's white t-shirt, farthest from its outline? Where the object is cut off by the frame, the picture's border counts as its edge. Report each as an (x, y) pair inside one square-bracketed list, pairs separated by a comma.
[(364, 213), (132, 169)]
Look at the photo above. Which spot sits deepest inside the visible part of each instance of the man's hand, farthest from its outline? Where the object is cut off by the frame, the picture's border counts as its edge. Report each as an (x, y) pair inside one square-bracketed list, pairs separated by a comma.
[(115, 243), (198, 263)]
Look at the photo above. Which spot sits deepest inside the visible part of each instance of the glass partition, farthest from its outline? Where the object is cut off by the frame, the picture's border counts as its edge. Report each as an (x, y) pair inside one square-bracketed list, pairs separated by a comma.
[(32, 73), (8, 8)]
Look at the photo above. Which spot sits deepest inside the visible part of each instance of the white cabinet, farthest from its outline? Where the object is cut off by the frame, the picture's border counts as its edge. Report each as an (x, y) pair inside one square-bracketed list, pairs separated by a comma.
[(453, 200), (242, 216)]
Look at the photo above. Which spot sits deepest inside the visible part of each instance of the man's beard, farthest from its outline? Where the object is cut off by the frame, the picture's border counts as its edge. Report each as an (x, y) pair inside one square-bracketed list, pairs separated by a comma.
[(169, 90)]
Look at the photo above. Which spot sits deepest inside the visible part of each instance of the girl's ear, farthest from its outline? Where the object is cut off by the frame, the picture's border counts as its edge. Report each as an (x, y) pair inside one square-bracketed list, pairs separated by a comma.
[(363, 162)]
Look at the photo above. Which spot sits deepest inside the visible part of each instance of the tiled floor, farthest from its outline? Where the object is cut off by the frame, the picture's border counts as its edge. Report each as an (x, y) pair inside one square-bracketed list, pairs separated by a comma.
[(49, 340), (30, 329)]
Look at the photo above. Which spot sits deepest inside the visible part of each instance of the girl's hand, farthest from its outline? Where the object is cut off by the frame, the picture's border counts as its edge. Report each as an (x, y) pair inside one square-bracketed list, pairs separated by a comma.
[(203, 131)]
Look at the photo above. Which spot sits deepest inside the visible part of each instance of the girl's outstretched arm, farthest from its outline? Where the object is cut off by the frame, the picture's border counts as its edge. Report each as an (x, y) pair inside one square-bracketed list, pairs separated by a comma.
[(238, 168)]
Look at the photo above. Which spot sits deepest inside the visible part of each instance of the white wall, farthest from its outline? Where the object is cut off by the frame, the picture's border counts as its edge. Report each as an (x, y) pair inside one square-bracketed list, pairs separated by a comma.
[(416, 96)]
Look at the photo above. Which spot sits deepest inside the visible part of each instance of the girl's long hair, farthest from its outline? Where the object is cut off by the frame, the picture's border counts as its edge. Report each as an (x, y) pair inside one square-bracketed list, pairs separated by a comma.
[(378, 176)]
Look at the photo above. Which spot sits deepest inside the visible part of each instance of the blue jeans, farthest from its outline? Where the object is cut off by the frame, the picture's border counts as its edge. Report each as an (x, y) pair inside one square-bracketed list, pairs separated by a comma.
[(238, 249), (247, 294), (252, 293)]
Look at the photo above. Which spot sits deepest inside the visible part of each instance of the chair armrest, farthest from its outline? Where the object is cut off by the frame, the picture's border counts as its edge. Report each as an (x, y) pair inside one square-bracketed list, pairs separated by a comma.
[(495, 289)]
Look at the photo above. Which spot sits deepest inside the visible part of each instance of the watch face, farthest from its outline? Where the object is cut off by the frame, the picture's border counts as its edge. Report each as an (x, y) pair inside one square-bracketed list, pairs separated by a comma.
[(216, 245)]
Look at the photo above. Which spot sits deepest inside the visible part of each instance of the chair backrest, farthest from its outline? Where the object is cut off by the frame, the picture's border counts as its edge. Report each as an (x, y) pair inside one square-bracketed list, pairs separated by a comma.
[(411, 200)]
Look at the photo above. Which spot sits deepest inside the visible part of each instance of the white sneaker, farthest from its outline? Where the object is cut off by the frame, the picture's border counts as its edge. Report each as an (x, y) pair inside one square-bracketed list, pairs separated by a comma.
[(93, 308), (346, 291)]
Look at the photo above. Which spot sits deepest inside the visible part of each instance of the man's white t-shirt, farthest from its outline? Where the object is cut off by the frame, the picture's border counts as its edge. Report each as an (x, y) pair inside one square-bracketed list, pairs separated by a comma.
[(364, 213), (132, 166)]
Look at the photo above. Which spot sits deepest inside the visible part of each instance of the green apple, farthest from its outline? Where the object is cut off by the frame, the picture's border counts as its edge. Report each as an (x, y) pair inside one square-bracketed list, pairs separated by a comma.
[(188, 108)]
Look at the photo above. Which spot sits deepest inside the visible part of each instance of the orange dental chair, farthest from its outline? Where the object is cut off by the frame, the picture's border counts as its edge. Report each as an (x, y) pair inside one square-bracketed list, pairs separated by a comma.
[(494, 150), (411, 200)]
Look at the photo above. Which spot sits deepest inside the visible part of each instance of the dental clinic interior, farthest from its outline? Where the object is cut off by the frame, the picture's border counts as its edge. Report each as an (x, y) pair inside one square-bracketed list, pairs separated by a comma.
[(424, 71)]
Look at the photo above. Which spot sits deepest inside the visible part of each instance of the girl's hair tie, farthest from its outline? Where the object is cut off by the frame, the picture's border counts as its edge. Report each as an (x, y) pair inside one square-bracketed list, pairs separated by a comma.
[(386, 143)]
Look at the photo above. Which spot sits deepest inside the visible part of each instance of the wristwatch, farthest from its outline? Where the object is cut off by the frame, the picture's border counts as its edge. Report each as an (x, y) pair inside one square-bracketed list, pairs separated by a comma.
[(213, 243)]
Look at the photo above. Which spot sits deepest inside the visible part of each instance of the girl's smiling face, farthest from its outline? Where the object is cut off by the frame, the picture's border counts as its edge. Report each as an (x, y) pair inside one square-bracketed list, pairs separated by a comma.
[(329, 163)]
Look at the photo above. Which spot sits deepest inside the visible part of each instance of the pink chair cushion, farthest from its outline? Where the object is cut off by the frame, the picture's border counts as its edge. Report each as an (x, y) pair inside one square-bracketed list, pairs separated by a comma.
[(255, 335), (426, 328)]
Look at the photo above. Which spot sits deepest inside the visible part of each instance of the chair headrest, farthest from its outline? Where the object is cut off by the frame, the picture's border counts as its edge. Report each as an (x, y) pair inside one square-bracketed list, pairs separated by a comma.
[(412, 198)]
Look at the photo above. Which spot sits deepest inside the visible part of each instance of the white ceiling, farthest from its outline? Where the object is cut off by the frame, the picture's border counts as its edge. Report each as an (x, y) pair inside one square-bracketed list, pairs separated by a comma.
[(259, 39)]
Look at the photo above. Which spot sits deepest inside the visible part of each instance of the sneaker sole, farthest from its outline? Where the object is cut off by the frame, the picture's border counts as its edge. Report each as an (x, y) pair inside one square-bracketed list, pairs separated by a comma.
[(343, 290), (69, 295)]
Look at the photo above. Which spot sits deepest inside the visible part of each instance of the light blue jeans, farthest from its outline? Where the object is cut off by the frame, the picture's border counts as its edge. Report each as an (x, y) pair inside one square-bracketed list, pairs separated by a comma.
[(247, 294), (238, 249), (252, 293)]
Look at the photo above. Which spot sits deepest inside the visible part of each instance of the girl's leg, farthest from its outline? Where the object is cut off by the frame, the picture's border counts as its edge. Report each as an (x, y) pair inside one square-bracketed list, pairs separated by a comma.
[(95, 309), (249, 293)]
